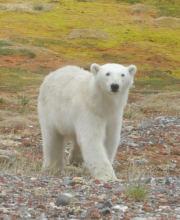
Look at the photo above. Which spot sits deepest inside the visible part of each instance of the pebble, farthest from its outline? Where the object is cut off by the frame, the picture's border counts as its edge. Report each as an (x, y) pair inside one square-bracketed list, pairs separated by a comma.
[(64, 199), (147, 123), (108, 204), (120, 207), (167, 182), (2, 195), (106, 211)]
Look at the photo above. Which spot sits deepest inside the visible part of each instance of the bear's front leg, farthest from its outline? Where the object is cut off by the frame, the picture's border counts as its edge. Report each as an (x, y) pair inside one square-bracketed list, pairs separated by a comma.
[(90, 137), (112, 140)]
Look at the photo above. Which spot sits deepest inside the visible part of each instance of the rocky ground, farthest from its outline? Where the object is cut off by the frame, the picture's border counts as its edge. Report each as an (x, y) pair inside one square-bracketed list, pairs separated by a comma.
[(149, 155)]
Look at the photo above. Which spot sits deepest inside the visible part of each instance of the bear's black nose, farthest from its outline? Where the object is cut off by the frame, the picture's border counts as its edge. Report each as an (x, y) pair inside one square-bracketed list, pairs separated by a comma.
[(114, 87)]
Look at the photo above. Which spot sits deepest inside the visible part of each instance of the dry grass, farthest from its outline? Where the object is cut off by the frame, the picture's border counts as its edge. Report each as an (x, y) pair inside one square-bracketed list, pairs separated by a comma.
[(140, 108), (148, 106), (22, 164), (140, 8), (18, 110), (88, 33), (168, 22), (136, 177), (27, 7), (164, 103)]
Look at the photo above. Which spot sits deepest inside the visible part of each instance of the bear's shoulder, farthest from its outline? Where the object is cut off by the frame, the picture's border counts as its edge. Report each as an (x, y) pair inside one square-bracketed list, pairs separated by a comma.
[(71, 72)]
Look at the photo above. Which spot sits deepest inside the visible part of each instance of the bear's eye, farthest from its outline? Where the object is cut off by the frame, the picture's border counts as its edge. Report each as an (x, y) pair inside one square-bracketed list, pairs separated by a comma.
[(122, 74), (107, 74)]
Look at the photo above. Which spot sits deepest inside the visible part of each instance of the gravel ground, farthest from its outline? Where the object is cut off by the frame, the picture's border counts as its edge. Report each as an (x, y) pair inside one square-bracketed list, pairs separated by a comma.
[(35, 197)]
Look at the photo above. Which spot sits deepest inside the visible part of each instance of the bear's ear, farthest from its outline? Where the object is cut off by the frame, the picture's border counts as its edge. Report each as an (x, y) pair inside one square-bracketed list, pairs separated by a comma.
[(132, 69), (95, 68)]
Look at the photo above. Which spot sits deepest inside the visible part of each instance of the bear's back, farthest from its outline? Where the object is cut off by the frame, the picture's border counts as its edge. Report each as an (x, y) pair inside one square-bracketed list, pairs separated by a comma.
[(66, 82), (66, 77)]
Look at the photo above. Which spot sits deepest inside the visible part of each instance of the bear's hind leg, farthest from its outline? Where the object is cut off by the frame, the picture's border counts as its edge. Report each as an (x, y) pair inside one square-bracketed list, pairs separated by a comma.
[(75, 155), (53, 150)]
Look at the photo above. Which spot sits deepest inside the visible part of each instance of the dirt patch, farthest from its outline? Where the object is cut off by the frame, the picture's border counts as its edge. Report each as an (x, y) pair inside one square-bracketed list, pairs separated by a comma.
[(88, 33), (27, 7)]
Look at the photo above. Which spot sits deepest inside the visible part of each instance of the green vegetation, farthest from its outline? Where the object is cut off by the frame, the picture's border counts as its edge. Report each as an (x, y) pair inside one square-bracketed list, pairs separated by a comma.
[(159, 82), (137, 192), (7, 51), (2, 100), (120, 31), (22, 52), (130, 1), (115, 58), (14, 80), (24, 100), (165, 7), (4, 43), (169, 8), (25, 52), (38, 6)]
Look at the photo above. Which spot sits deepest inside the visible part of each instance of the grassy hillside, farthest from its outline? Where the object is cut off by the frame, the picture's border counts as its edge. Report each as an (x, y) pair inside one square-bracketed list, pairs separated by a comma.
[(37, 37)]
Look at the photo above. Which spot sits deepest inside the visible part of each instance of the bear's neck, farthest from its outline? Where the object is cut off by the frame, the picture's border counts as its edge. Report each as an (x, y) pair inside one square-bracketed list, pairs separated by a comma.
[(104, 103)]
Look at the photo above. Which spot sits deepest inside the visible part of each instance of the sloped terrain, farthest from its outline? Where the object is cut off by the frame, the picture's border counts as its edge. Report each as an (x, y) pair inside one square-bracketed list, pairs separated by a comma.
[(37, 37)]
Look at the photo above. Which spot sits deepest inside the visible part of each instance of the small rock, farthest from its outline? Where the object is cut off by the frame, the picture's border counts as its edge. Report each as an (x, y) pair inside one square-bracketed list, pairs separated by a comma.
[(140, 211), (79, 180), (138, 162), (18, 138), (108, 204), (80, 171), (52, 204), (102, 196), (106, 211), (66, 180), (2, 195), (141, 144), (129, 128), (120, 207), (145, 161), (146, 124), (139, 218), (167, 181), (133, 145), (150, 180), (33, 178), (64, 199), (72, 183)]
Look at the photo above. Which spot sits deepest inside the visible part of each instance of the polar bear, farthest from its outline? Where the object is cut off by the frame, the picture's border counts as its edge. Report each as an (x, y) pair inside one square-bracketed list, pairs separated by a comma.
[(86, 108)]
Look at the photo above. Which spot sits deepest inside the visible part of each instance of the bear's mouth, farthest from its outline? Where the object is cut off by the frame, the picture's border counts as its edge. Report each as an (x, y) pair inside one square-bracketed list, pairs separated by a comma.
[(115, 91)]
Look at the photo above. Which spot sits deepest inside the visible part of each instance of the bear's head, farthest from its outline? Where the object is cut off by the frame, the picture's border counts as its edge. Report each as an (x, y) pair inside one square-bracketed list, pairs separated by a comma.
[(114, 77)]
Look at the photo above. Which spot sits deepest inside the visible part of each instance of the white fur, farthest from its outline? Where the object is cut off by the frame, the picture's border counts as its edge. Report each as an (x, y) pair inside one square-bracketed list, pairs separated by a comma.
[(78, 105)]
